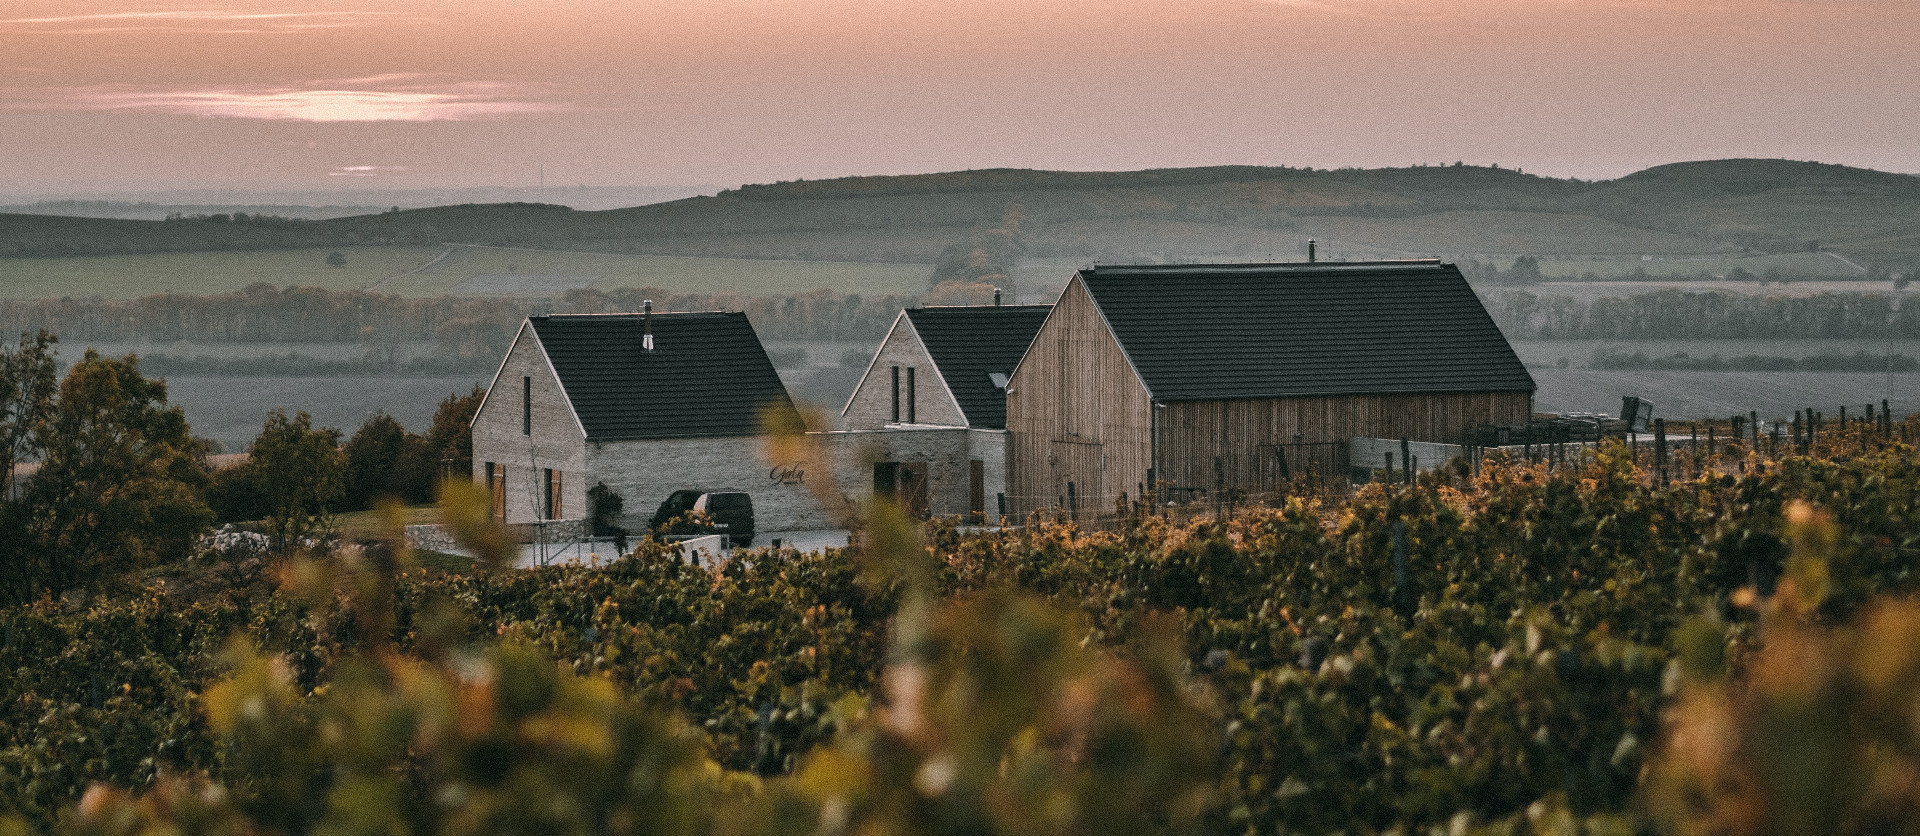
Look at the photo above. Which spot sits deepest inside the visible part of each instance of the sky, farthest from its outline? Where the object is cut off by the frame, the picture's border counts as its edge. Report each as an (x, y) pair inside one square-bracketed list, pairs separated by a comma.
[(103, 95)]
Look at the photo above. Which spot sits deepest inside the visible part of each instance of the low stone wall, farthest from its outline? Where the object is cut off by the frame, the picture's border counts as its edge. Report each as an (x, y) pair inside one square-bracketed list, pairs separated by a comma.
[(1371, 453), (437, 538)]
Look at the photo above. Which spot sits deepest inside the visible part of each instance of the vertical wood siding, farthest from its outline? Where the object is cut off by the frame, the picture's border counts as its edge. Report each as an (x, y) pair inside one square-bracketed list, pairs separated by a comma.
[(1244, 434), (1076, 413)]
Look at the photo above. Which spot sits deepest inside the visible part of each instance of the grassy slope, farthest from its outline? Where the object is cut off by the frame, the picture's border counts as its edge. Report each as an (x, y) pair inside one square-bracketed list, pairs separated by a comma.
[(420, 271), (126, 276)]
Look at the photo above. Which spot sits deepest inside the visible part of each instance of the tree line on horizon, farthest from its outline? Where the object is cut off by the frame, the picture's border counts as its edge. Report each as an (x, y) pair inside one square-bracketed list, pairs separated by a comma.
[(1683, 315)]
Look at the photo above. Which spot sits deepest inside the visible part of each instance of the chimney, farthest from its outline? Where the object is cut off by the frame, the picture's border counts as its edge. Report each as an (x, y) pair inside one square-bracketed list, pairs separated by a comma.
[(996, 297), (646, 326), (1311, 246)]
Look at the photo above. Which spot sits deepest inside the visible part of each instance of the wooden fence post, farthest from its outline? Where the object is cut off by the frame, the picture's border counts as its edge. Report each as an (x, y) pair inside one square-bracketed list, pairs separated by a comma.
[(1219, 487), (1660, 448), (1402, 580)]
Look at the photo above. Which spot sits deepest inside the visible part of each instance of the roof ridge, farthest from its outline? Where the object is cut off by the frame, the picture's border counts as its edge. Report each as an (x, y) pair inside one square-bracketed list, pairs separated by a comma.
[(979, 307), (615, 314), (1287, 266)]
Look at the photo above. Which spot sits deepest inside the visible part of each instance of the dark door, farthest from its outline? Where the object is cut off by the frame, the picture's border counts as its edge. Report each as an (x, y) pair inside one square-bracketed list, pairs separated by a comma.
[(977, 491), (885, 480), (913, 490)]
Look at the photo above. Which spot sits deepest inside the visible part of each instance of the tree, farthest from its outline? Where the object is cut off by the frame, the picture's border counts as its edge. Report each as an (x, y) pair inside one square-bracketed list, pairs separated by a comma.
[(297, 471), (27, 386), (450, 439), (1525, 270), (119, 485), (384, 460), (604, 506)]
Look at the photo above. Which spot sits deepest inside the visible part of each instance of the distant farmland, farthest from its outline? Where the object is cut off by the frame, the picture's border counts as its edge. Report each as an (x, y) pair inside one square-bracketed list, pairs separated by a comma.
[(461, 264), (1682, 395), (431, 271), (131, 276)]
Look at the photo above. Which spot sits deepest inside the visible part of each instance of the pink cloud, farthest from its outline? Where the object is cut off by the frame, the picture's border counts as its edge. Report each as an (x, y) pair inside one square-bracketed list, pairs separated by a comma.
[(206, 21), (365, 170), (356, 100)]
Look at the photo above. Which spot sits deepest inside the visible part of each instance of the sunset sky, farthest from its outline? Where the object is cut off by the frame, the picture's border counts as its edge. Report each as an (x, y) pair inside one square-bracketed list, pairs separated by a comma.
[(258, 94)]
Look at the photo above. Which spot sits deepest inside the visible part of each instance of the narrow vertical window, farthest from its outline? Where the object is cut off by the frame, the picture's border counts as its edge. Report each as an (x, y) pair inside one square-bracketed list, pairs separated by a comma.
[(911, 418), (546, 509), (896, 394), (526, 406)]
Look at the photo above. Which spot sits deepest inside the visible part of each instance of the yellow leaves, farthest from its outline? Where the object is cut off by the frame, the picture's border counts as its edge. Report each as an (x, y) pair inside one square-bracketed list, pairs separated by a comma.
[(466, 509), (258, 686)]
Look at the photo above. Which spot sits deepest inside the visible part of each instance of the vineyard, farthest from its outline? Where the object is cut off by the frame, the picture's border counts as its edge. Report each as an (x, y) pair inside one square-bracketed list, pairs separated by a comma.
[(1583, 648)]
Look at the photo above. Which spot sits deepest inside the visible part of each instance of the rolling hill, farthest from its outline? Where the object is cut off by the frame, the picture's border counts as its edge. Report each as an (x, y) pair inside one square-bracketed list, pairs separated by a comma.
[(1700, 210)]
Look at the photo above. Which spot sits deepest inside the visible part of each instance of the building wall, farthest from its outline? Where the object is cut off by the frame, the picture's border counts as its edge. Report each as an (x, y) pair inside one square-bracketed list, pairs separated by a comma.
[(556, 441), (871, 406), (947, 452), (1246, 436), (645, 472), (1077, 415)]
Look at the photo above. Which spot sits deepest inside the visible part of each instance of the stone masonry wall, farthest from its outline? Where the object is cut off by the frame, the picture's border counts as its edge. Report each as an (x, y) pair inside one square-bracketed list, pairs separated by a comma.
[(645, 472), (556, 441), (946, 452), (871, 406)]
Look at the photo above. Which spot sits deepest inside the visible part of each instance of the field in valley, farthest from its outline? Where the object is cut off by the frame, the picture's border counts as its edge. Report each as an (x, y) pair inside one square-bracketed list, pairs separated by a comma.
[(230, 410), (512, 271), (132, 276), (432, 271)]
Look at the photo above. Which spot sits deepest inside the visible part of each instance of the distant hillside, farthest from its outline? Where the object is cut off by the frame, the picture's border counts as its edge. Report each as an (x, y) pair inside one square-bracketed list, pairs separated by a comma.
[(149, 211), (1686, 211)]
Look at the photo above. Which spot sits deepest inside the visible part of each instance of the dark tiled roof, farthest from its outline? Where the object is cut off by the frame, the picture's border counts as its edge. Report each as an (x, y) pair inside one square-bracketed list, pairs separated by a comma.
[(1218, 332), (707, 374), (970, 343)]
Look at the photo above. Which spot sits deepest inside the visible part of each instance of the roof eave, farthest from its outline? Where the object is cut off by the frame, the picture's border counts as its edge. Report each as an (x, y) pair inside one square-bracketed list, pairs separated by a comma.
[(1350, 394), (872, 361)]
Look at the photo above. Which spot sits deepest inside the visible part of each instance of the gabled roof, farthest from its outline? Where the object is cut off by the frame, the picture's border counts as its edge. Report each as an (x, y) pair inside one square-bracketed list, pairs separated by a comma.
[(1229, 331), (969, 344), (706, 376)]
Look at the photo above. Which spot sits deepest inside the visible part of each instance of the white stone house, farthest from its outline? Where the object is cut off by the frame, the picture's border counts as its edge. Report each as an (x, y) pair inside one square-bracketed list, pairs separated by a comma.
[(926, 425), (647, 403)]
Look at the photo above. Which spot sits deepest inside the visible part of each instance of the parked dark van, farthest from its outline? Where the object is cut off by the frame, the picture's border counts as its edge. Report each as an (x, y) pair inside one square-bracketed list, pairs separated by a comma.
[(729, 512), (677, 505)]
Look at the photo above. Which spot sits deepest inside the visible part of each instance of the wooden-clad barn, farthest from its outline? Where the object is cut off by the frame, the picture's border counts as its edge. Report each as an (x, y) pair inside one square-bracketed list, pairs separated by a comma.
[(1196, 377), (648, 404)]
